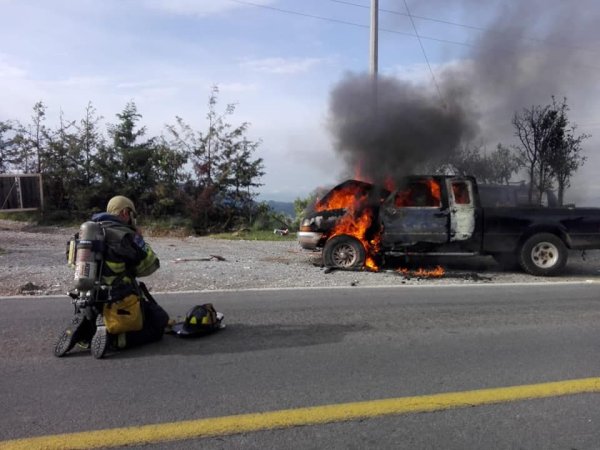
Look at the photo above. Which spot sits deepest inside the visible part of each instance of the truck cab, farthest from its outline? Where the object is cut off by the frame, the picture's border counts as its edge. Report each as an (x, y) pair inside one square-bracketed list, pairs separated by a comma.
[(432, 209)]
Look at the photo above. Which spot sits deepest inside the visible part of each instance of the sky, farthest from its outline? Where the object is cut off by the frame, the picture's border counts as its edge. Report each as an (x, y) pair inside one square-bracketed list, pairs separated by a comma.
[(282, 63)]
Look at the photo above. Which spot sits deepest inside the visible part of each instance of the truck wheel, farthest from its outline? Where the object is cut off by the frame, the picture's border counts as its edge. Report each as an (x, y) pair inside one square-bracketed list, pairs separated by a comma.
[(344, 252), (543, 254)]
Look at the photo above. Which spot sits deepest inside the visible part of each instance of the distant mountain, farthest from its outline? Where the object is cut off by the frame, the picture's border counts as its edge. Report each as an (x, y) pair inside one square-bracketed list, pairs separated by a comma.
[(282, 207)]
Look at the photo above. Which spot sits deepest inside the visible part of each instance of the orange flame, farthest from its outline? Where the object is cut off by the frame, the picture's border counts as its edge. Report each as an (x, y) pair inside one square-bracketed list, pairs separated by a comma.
[(406, 197), (359, 217), (348, 198), (356, 225), (434, 188), (437, 272)]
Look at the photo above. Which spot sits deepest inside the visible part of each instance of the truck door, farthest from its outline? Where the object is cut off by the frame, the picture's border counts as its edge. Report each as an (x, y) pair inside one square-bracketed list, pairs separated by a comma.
[(462, 208), (414, 214)]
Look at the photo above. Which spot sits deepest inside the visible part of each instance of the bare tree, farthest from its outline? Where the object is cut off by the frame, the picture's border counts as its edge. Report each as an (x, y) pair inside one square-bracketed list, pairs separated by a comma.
[(549, 147), (497, 167), (535, 128), (565, 155), (503, 164)]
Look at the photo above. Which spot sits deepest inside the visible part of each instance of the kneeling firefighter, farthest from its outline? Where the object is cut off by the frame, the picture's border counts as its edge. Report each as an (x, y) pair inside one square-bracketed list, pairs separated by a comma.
[(112, 310)]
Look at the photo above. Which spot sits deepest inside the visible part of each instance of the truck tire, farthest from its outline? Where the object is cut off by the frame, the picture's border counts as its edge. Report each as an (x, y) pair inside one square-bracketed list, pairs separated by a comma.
[(543, 254), (344, 252)]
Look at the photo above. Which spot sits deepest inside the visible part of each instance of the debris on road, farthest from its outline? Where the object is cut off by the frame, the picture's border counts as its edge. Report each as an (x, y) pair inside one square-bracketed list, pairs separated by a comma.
[(206, 258)]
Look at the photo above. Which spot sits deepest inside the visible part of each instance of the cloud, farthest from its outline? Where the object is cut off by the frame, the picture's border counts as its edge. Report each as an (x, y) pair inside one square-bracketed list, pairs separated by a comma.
[(9, 69), (281, 66), (237, 87), (83, 82), (200, 8)]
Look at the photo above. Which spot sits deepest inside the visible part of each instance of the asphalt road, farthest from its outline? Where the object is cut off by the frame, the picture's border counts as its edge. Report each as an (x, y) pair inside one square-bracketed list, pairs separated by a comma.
[(288, 349)]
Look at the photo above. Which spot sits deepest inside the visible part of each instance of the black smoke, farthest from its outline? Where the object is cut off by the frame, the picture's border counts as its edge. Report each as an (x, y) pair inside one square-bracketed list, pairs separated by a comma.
[(405, 128), (529, 51)]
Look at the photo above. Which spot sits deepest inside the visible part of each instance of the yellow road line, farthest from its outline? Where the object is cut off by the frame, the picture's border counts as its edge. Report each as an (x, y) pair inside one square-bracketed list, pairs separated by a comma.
[(221, 426)]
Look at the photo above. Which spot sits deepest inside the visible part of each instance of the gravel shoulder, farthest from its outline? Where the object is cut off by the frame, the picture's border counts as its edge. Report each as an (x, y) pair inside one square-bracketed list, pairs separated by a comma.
[(32, 262)]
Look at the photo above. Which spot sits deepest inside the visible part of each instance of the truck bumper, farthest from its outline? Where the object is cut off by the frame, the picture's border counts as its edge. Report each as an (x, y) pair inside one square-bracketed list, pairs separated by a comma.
[(309, 239)]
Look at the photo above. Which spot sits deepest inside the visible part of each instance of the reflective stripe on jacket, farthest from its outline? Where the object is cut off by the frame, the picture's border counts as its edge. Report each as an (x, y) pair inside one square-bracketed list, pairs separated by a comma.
[(126, 254)]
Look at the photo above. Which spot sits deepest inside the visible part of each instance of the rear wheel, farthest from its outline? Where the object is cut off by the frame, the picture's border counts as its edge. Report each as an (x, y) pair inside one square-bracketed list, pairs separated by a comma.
[(543, 254), (344, 252)]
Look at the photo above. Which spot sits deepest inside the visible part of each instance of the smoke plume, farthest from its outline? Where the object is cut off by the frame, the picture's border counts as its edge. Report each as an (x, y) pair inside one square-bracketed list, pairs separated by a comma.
[(530, 51)]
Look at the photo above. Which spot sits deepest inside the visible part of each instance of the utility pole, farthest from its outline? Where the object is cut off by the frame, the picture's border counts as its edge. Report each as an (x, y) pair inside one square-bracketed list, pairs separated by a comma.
[(374, 51), (374, 37)]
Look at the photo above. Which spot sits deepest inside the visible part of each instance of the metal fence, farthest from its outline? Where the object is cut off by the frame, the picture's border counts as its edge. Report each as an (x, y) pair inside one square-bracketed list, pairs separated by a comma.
[(21, 192)]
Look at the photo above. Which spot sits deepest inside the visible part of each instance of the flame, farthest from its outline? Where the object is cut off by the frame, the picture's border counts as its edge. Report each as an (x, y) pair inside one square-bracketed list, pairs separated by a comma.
[(356, 223), (358, 218), (437, 272), (407, 196), (358, 173), (349, 198), (434, 188)]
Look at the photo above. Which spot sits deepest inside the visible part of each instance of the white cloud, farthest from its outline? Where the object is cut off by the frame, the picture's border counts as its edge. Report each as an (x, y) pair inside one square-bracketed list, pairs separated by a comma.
[(237, 87), (9, 69), (83, 82), (281, 66), (200, 8)]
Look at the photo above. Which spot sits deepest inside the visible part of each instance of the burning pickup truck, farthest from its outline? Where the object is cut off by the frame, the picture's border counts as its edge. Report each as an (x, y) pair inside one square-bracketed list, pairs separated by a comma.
[(358, 224)]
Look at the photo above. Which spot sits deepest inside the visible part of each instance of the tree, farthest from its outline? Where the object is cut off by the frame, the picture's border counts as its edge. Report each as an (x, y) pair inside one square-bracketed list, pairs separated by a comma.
[(60, 169), (503, 164), (497, 167), (127, 164), (535, 128), (548, 146), (7, 146), (29, 142), (239, 175), (565, 155), (302, 206), (169, 165), (90, 143), (90, 161), (225, 172)]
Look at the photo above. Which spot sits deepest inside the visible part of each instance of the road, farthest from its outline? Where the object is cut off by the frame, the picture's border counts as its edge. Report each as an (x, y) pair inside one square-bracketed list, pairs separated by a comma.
[(297, 348)]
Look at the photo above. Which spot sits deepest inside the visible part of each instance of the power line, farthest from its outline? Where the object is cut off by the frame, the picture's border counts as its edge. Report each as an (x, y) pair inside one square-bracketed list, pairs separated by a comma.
[(424, 54), (462, 25), (344, 22), (358, 25), (399, 13)]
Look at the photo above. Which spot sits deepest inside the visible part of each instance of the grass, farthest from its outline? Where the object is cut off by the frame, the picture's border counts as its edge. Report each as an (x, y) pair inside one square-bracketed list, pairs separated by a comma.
[(251, 235), (174, 227), (27, 216)]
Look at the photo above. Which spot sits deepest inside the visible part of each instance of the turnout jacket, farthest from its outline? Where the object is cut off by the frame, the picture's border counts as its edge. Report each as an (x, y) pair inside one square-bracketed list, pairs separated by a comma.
[(126, 254)]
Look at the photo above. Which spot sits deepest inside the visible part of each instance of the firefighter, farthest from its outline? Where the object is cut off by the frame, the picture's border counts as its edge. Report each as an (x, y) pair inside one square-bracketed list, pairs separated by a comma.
[(125, 256)]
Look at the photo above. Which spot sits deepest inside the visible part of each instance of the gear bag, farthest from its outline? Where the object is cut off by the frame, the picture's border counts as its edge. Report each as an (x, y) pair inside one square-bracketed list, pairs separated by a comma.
[(124, 315)]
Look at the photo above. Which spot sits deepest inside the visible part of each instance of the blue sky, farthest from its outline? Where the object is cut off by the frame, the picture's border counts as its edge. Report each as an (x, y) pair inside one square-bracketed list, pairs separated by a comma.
[(278, 60)]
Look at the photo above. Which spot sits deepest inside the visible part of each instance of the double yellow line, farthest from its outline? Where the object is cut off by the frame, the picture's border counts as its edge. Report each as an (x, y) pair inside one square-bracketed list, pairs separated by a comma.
[(221, 426)]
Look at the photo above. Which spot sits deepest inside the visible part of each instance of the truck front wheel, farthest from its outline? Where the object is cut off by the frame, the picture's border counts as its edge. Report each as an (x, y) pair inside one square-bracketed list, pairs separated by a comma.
[(543, 254), (344, 252)]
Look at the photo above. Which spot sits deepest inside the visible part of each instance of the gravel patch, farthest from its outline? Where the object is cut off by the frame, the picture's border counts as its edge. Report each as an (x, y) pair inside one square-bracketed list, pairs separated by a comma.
[(32, 261)]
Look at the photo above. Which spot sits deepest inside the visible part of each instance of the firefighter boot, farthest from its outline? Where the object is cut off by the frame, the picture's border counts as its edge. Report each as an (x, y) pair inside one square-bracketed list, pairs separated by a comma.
[(100, 340), (80, 330)]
